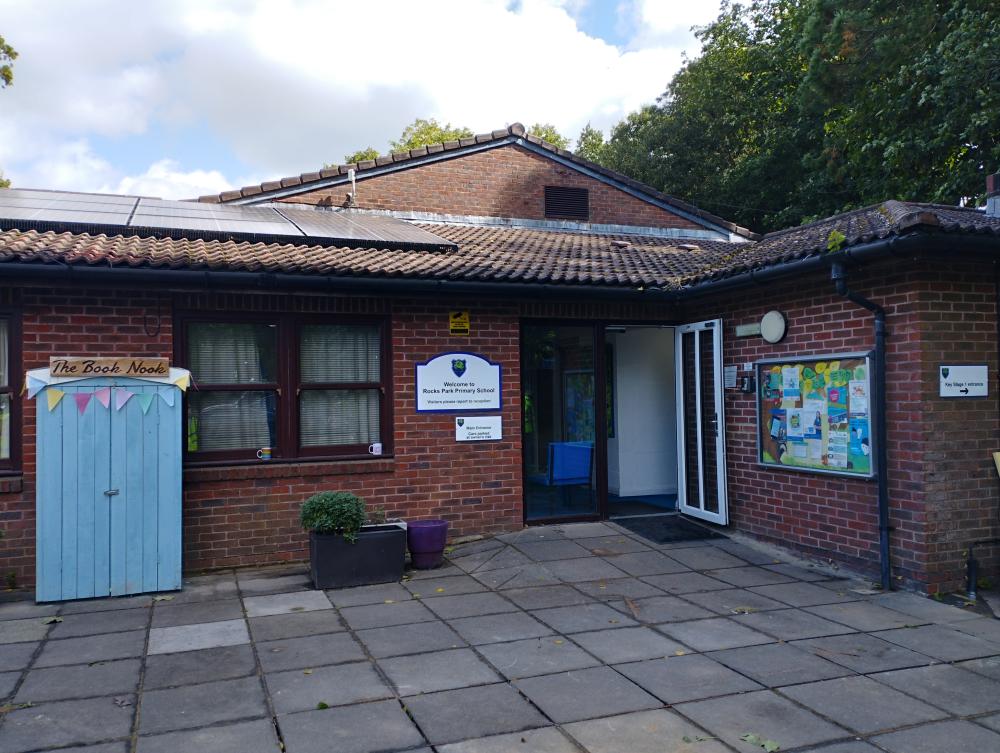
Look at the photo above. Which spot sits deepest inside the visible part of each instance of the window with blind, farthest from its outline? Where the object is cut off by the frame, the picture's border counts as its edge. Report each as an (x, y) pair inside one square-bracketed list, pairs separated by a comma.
[(303, 388), (9, 403)]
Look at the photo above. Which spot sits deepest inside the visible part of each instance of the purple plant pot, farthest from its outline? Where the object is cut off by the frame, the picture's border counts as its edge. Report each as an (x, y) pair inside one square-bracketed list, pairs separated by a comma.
[(426, 540)]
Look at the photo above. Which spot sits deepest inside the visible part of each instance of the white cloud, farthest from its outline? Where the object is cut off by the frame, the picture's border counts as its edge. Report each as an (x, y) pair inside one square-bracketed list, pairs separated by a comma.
[(287, 85)]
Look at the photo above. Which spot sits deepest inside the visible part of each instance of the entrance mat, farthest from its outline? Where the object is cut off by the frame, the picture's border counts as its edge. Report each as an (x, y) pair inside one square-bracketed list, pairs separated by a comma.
[(665, 529)]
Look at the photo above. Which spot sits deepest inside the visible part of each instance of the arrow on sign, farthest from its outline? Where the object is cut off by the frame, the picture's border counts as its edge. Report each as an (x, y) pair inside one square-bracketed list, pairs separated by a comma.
[(964, 390)]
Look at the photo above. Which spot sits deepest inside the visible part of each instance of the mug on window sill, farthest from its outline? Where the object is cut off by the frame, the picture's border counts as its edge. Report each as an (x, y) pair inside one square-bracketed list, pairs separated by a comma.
[(264, 453), (375, 449)]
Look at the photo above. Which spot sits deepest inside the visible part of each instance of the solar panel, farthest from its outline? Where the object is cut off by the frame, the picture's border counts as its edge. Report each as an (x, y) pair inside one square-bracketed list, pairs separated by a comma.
[(132, 215)]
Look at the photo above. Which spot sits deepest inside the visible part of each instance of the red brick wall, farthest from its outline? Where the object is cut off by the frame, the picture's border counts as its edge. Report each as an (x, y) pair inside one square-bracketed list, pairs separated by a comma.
[(507, 181)]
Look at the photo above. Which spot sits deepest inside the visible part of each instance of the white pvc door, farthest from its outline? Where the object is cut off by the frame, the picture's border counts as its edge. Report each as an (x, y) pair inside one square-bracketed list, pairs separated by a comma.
[(701, 442)]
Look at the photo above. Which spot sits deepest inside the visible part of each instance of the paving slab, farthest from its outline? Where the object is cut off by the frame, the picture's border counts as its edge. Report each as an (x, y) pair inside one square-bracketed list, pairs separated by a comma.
[(8, 681), (749, 576), (777, 664), (714, 634), (92, 648), (477, 547), (441, 670), (361, 595), (543, 551), (685, 678), (468, 605), (506, 558), (862, 705), (628, 644), (535, 574), (863, 653), (168, 640), (122, 746), (948, 687), (791, 624), (532, 533), (987, 628), (200, 705), (584, 569), (498, 578), (309, 651), (471, 562), (926, 610), (706, 558), (543, 597), (585, 694), (206, 665), (99, 623), (854, 746), (603, 546), (499, 628), (990, 666), (194, 612), (23, 630), (799, 573), (441, 571), (16, 656), (993, 722), (750, 554), (385, 615), (255, 736), (685, 583), (864, 615), (109, 604), (586, 530), (63, 723), (803, 594), (363, 728), (647, 563), (952, 736), (657, 609), (304, 690), (763, 713), (409, 639), (619, 588), (544, 740), (286, 603), (252, 584), (80, 681), (295, 625), (26, 610), (451, 586), (583, 617), (207, 588), (658, 731), (941, 642), (734, 601), (456, 715), (536, 656)]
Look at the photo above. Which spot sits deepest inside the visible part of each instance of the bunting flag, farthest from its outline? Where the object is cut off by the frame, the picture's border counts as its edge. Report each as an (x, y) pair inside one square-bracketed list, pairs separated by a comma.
[(82, 400), (54, 397), (103, 396), (167, 393), (122, 396), (183, 381), (33, 385), (145, 400)]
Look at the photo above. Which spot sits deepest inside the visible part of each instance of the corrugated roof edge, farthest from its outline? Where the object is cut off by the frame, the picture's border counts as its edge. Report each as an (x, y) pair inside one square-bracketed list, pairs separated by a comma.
[(511, 133)]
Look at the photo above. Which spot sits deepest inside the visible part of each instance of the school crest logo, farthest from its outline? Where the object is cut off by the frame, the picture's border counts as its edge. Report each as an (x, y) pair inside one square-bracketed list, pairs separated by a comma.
[(460, 421), (458, 366), (944, 371)]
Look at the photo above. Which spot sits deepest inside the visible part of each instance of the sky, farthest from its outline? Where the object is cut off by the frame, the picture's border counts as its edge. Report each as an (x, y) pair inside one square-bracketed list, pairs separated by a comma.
[(179, 98)]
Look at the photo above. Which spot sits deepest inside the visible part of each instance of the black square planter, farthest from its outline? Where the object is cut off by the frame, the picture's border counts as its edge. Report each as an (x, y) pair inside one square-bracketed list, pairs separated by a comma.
[(377, 557)]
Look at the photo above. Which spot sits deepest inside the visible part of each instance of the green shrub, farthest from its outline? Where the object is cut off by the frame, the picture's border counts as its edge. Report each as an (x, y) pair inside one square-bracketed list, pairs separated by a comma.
[(334, 512)]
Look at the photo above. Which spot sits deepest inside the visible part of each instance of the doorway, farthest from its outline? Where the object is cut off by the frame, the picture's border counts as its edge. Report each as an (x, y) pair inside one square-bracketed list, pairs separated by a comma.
[(622, 420)]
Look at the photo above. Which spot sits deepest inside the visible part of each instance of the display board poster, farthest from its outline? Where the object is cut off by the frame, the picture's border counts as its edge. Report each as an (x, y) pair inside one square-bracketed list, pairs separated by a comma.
[(456, 382), (814, 414)]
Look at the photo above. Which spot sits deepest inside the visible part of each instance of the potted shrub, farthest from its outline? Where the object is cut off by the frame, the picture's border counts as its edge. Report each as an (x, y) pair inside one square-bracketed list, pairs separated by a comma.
[(345, 548)]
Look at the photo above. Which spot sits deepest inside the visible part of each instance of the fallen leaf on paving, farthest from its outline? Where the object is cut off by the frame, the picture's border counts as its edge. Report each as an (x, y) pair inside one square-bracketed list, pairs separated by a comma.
[(439, 590), (390, 601), (679, 652), (632, 607), (307, 671), (743, 610), (164, 597), (51, 620), (123, 701)]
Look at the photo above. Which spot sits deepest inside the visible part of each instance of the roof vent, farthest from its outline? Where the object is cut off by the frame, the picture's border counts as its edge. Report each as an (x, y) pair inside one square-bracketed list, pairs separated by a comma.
[(565, 203), (993, 195)]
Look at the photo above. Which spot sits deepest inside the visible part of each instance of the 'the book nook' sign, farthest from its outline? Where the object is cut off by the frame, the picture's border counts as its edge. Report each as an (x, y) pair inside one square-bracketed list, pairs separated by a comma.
[(123, 367)]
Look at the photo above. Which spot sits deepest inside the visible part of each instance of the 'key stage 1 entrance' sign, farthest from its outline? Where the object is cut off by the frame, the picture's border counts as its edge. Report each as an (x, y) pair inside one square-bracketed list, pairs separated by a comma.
[(964, 381), (455, 382)]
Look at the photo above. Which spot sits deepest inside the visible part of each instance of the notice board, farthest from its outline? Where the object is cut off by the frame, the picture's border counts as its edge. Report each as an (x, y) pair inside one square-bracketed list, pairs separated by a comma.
[(814, 413)]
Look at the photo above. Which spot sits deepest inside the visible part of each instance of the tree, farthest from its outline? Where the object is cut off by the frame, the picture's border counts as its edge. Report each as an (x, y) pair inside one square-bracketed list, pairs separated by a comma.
[(423, 132), (361, 155), (7, 56), (590, 144), (548, 132)]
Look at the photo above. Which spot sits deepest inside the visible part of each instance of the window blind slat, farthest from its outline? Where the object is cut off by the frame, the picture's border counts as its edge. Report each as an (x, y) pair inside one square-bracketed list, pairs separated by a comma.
[(340, 353), (231, 420), (223, 353), (338, 417)]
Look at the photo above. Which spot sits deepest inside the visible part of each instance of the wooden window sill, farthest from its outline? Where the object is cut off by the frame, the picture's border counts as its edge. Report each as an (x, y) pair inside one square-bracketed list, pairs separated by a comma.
[(280, 469)]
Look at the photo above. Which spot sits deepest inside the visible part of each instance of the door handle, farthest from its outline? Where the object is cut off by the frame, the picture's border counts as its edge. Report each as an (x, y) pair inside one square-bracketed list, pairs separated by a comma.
[(111, 492)]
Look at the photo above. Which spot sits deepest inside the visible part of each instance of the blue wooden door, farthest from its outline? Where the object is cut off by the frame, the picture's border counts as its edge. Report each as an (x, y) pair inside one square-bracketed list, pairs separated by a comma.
[(109, 491)]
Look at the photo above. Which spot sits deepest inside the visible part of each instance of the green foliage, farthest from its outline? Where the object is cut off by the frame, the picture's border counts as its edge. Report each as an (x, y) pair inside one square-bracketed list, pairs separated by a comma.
[(798, 109), (590, 144), (7, 56), (360, 156), (334, 512), (423, 132), (4, 182), (835, 240), (548, 132)]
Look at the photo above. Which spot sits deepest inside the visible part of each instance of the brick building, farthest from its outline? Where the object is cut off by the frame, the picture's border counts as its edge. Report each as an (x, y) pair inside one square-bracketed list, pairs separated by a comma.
[(626, 324)]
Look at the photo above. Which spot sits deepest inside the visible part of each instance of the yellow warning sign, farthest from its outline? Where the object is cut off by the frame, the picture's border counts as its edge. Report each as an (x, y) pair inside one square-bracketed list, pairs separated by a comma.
[(458, 322)]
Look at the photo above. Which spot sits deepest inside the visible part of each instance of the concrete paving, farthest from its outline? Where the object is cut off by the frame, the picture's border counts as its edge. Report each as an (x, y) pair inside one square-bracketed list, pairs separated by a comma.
[(582, 638)]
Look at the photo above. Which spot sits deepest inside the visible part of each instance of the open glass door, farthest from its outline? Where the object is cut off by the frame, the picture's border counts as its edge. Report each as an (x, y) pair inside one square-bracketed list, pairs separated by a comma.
[(701, 445)]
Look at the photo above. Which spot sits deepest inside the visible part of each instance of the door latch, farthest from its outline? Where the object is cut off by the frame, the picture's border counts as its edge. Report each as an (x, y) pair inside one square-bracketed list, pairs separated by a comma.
[(111, 492)]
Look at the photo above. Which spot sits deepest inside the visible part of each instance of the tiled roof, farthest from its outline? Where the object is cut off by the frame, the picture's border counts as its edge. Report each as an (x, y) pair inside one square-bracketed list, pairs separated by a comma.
[(511, 133), (503, 254)]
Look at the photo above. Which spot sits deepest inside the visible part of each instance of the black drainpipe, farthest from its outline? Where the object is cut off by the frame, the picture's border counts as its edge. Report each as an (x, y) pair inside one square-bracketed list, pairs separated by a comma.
[(838, 273)]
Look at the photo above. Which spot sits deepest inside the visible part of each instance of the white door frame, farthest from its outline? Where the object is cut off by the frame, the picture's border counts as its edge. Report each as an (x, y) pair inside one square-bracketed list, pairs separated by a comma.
[(696, 507)]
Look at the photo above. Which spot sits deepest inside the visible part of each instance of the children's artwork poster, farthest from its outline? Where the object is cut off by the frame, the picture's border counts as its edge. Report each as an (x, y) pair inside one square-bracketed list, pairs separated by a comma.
[(814, 413)]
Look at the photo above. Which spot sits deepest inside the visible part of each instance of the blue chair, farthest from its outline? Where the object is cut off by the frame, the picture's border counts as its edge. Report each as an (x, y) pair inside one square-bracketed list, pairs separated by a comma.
[(570, 463)]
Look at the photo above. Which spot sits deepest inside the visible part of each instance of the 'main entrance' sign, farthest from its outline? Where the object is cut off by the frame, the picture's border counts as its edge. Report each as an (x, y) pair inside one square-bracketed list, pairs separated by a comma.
[(123, 367)]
